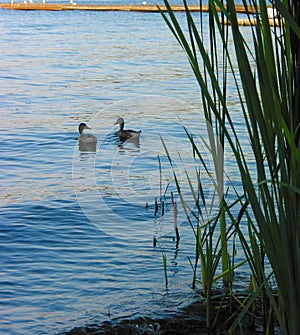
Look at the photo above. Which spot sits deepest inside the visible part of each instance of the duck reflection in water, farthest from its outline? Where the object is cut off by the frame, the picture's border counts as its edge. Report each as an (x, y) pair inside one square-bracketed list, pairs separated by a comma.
[(87, 142)]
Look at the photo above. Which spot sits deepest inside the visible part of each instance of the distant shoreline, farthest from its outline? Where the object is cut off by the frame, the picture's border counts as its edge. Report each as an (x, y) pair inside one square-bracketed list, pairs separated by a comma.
[(109, 7)]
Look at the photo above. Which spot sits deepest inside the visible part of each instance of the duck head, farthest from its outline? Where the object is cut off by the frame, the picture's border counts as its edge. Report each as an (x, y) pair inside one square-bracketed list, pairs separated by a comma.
[(81, 127), (120, 121)]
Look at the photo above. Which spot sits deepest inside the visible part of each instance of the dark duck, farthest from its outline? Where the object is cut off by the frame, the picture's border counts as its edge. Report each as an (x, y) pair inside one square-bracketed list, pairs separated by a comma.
[(127, 134)]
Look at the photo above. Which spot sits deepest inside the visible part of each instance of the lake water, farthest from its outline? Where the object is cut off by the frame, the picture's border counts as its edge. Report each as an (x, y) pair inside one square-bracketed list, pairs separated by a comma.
[(76, 237)]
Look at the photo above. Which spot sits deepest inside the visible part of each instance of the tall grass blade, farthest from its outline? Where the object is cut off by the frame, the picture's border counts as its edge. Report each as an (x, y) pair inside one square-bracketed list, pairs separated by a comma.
[(267, 80)]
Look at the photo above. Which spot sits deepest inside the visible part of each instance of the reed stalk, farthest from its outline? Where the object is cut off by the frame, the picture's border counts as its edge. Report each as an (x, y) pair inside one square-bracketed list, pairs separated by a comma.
[(266, 76), (165, 268)]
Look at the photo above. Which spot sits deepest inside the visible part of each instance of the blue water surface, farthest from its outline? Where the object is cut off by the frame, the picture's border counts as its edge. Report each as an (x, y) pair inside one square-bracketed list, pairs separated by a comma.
[(76, 232)]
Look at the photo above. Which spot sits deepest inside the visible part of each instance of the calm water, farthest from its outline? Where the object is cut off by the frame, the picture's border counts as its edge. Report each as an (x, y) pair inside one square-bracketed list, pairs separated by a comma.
[(76, 235)]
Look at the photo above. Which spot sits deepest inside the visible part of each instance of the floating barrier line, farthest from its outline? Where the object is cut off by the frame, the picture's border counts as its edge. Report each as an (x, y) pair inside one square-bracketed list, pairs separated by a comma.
[(109, 7), (132, 8), (253, 22)]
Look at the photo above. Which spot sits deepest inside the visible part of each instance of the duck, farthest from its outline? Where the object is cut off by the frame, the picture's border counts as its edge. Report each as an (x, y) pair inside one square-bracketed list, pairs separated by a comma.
[(87, 142), (128, 134), (85, 138)]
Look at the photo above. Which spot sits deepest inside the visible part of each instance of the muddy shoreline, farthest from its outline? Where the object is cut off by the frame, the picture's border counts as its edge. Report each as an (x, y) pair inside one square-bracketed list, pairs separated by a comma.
[(188, 321)]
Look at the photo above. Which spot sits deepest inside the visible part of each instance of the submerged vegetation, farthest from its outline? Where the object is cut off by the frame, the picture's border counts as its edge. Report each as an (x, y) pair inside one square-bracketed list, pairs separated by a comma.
[(264, 217)]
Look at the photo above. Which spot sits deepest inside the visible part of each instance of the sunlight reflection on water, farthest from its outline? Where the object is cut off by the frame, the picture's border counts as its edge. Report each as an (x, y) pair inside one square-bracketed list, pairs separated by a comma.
[(57, 269)]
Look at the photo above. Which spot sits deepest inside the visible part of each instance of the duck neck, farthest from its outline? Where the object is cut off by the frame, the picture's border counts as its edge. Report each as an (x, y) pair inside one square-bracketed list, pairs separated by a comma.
[(122, 126)]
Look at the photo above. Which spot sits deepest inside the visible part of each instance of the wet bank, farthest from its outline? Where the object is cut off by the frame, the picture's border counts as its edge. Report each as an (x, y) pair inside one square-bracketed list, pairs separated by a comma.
[(189, 320)]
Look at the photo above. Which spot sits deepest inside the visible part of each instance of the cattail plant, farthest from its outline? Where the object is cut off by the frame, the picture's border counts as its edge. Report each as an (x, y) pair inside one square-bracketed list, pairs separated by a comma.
[(266, 77)]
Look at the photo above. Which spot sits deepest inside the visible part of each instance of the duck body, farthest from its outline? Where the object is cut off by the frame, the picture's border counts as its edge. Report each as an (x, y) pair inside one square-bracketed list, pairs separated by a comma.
[(127, 134)]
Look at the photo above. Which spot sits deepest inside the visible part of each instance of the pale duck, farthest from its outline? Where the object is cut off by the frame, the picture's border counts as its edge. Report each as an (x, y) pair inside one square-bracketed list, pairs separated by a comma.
[(87, 142)]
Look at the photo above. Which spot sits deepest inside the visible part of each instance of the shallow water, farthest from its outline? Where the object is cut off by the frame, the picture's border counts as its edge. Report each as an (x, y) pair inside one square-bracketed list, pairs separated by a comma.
[(76, 234)]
